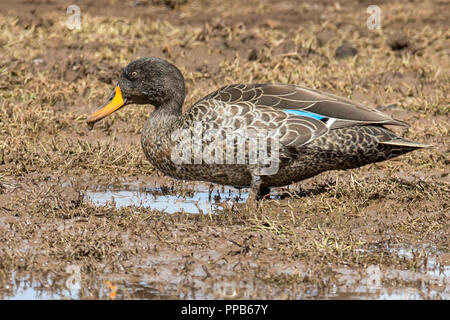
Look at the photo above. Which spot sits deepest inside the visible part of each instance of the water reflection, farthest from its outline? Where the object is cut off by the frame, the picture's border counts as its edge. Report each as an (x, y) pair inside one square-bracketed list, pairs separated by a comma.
[(166, 200)]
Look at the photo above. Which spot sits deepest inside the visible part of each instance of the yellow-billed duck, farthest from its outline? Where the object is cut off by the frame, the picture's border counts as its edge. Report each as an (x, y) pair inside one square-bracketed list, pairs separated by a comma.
[(251, 135)]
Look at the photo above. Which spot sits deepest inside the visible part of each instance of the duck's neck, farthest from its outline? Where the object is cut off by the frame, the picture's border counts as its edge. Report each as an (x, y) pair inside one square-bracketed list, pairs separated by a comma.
[(157, 131), (161, 122), (165, 114)]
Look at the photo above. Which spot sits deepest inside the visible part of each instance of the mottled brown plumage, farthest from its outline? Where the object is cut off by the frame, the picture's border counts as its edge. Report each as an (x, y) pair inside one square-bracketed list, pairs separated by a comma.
[(314, 131)]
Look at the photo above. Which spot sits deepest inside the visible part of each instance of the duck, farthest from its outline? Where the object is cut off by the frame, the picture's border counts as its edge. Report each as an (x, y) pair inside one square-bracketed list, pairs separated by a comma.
[(256, 136)]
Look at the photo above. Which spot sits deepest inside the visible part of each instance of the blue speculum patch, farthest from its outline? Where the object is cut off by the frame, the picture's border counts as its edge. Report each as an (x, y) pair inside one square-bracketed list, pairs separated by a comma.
[(305, 114)]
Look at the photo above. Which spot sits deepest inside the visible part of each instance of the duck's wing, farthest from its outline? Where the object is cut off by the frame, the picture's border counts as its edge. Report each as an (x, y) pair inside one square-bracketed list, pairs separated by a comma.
[(224, 117), (334, 111), (298, 115)]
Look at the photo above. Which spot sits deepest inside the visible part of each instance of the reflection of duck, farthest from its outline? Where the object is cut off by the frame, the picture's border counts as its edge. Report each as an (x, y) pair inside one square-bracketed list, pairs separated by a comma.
[(303, 131)]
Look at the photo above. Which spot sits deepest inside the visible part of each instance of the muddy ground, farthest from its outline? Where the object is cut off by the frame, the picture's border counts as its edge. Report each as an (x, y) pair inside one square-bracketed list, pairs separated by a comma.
[(381, 231)]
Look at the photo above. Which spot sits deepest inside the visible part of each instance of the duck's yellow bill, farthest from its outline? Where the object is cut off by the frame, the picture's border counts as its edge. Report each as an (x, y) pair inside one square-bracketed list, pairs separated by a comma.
[(115, 102)]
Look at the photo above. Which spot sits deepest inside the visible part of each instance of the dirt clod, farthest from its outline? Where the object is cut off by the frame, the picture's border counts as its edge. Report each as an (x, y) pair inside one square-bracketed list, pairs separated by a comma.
[(345, 51)]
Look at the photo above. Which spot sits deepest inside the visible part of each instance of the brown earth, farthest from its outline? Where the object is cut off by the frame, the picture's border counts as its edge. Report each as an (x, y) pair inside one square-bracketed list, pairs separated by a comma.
[(323, 233)]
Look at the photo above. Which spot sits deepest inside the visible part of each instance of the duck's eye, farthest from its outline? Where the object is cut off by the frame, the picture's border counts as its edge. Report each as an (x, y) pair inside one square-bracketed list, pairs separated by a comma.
[(134, 74)]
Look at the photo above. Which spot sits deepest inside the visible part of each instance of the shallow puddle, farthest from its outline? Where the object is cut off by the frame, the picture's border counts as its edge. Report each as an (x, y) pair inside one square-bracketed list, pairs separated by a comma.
[(167, 200), (431, 281)]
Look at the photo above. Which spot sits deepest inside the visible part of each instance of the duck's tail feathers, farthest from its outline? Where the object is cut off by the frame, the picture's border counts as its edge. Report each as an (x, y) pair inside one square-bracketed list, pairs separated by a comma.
[(406, 143)]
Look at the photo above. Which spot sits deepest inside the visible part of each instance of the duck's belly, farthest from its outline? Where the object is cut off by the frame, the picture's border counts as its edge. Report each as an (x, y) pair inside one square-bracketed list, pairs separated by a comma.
[(305, 165), (233, 175), (237, 175)]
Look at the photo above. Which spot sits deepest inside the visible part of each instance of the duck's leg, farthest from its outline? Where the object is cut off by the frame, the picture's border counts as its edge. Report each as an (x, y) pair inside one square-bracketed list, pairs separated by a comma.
[(256, 191)]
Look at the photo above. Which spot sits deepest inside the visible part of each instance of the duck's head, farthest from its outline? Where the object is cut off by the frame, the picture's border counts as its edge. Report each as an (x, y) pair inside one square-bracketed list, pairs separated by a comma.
[(145, 81)]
